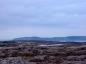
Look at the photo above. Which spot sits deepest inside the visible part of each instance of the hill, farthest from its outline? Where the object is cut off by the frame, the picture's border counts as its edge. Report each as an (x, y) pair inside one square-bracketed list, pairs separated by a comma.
[(61, 39)]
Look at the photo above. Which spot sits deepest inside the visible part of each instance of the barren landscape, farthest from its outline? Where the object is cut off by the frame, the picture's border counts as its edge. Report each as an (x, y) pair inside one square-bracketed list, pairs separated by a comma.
[(42, 53)]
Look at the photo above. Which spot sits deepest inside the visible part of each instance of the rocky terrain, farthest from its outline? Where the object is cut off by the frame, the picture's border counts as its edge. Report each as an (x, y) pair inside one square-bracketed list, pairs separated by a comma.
[(35, 53)]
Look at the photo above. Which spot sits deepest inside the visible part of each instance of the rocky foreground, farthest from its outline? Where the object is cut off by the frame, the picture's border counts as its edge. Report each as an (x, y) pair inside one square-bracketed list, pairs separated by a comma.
[(25, 53)]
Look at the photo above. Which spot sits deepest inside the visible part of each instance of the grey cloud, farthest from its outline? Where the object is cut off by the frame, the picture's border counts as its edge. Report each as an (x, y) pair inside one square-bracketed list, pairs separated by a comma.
[(59, 15)]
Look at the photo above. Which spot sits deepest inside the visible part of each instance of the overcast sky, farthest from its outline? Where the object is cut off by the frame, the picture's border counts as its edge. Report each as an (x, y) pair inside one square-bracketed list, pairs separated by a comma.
[(44, 18)]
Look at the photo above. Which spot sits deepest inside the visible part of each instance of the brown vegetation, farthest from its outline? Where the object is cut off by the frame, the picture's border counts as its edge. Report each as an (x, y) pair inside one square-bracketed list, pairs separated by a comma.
[(27, 53)]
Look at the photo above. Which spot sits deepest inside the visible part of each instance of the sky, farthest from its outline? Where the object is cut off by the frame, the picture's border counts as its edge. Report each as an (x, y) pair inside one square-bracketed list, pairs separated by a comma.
[(43, 18)]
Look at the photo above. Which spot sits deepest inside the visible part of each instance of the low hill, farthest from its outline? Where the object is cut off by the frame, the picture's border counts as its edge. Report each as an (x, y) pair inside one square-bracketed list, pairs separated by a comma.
[(61, 39)]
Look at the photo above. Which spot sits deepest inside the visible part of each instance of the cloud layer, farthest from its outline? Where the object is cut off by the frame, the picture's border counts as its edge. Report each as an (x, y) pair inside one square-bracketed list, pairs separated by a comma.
[(42, 18)]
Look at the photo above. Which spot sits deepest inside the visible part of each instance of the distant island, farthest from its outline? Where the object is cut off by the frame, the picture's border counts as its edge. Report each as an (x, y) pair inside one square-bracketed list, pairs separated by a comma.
[(60, 39)]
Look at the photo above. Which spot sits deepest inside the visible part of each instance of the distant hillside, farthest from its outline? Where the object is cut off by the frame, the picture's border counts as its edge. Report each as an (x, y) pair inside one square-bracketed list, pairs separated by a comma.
[(62, 39)]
